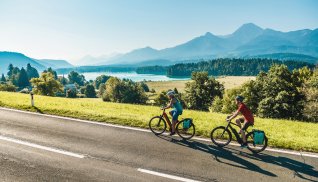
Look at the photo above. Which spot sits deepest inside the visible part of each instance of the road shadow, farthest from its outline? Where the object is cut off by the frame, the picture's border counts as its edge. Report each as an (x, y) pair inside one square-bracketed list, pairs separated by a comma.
[(237, 156), (299, 168)]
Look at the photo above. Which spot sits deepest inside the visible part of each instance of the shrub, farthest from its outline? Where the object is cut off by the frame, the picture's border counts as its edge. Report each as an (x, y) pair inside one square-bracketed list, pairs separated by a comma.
[(201, 91), (7, 87), (70, 93), (90, 91), (124, 91), (217, 105)]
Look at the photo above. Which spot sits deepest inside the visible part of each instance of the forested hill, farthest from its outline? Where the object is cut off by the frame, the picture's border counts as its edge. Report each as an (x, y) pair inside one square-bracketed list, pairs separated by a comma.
[(224, 66)]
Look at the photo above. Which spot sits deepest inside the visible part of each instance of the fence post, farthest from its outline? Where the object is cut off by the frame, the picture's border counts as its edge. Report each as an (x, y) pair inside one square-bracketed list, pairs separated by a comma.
[(32, 99)]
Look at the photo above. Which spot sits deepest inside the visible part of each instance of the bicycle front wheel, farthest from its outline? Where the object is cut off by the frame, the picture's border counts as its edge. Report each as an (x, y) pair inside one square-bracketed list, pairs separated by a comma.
[(185, 132), (221, 136), (255, 148), (157, 125)]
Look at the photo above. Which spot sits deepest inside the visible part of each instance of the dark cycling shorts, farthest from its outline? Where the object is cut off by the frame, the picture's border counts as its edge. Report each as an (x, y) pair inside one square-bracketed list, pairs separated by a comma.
[(246, 125), (175, 114)]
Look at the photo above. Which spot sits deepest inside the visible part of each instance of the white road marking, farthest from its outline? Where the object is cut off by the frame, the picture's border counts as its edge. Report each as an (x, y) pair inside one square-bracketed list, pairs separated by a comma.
[(305, 154), (166, 175), (41, 147), (79, 120)]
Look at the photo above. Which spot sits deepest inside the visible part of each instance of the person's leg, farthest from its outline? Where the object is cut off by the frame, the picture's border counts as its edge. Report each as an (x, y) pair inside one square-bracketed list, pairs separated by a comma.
[(173, 126), (171, 113), (174, 115), (238, 122), (245, 126)]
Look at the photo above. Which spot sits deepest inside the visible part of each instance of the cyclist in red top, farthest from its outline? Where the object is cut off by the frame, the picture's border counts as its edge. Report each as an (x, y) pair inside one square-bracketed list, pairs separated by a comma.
[(247, 119)]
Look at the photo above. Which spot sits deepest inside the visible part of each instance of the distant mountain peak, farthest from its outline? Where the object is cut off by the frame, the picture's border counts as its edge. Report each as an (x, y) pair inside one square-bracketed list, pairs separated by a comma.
[(246, 32), (248, 28), (149, 48), (208, 34)]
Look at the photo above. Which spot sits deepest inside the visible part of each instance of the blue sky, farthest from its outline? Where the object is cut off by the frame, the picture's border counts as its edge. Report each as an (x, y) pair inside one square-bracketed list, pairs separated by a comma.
[(71, 29)]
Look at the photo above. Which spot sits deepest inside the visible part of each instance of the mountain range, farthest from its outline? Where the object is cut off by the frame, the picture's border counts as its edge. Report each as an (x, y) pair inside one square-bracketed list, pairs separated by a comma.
[(249, 40), (21, 60)]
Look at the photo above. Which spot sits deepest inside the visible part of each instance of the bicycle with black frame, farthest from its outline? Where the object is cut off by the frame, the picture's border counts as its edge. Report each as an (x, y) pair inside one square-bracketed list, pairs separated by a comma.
[(222, 136)]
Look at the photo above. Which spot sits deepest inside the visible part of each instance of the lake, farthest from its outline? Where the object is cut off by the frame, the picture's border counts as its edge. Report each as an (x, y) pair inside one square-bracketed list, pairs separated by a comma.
[(131, 75)]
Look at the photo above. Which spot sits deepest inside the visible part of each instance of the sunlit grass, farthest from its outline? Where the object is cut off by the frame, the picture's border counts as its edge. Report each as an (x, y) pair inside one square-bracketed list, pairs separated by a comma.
[(281, 133)]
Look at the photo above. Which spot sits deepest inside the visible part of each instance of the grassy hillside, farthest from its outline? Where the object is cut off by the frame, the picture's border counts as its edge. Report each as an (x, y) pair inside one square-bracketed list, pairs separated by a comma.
[(281, 133)]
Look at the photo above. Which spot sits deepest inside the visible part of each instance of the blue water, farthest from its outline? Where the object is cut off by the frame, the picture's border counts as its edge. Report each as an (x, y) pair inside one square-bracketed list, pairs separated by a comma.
[(131, 75)]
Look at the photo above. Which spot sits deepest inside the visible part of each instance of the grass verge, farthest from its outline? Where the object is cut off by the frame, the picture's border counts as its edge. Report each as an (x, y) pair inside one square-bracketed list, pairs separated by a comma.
[(286, 134)]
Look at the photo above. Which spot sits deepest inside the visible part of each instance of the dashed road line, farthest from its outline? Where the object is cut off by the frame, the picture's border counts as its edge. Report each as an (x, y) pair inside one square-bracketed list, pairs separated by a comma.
[(59, 151), (166, 175)]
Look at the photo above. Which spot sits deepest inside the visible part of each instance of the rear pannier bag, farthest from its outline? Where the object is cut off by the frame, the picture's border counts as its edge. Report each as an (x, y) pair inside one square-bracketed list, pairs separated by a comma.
[(259, 137), (187, 123)]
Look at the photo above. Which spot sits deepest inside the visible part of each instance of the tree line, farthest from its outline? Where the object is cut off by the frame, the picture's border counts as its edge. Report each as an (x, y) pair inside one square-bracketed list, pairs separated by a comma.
[(74, 85), (83, 69), (223, 66), (278, 93)]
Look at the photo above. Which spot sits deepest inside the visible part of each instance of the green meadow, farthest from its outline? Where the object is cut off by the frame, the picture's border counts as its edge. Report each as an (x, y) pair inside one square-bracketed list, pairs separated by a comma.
[(286, 134)]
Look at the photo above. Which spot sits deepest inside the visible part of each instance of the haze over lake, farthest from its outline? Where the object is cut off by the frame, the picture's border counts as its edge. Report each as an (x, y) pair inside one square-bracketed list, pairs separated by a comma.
[(131, 75)]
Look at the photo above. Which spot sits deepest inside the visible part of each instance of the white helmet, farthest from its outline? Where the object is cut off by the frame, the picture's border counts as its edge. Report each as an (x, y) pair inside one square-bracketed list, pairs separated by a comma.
[(170, 93)]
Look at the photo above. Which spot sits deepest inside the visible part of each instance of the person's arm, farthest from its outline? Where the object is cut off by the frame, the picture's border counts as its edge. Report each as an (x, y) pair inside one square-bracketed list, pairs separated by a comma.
[(233, 115), (169, 105)]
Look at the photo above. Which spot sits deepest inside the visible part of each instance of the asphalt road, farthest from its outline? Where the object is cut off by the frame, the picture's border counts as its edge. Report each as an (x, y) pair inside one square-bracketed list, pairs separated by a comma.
[(105, 153)]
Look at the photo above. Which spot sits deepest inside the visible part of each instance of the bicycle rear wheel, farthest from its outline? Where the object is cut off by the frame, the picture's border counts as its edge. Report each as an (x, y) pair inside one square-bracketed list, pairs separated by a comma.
[(157, 125), (185, 133), (255, 148), (221, 136)]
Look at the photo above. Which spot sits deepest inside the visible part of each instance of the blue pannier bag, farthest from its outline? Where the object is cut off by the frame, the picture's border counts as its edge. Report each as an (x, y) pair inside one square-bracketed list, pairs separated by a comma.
[(187, 123), (259, 137)]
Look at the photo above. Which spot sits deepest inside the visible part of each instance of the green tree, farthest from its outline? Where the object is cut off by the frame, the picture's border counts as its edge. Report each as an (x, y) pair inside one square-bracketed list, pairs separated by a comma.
[(101, 90), (161, 99), (50, 70), (301, 75), (310, 90), (31, 72), (217, 105), (201, 91), (3, 78), (228, 100), (99, 80), (14, 76), (23, 80), (75, 77), (90, 91), (113, 90), (124, 91), (10, 70), (63, 80), (281, 96), (70, 93), (46, 84), (144, 86)]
